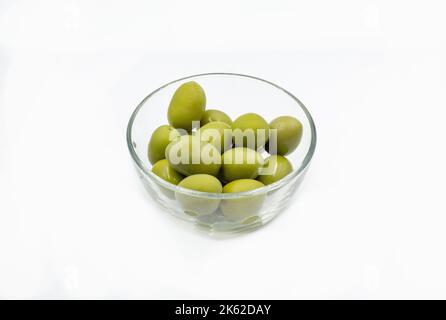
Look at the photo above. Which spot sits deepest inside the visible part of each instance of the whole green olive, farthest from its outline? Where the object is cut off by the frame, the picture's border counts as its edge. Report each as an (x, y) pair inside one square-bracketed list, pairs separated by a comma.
[(198, 205), (218, 134), (164, 170), (159, 140), (288, 135), (188, 155), (275, 168), (250, 131), (240, 163), (245, 207), (212, 115), (188, 104)]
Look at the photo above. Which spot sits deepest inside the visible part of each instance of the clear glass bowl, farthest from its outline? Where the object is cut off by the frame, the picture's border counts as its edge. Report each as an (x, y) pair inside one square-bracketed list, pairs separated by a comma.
[(234, 94)]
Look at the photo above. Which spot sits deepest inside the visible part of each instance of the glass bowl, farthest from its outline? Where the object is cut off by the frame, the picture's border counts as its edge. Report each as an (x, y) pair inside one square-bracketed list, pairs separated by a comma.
[(235, 94)]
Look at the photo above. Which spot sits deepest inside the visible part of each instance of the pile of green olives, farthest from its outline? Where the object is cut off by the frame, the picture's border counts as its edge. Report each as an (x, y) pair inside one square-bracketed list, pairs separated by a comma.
[(205, 150)]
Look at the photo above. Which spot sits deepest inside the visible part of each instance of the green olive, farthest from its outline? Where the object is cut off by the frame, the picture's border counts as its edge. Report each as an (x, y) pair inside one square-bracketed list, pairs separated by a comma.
[(202, 182), (276, 167), (165, 171), (218, 134), (198, 205), (289, 134), (250, 130), (241, 185), (212, 115), (244, 207), (187, 105), (159, 140), (188, 155), (240, 163)]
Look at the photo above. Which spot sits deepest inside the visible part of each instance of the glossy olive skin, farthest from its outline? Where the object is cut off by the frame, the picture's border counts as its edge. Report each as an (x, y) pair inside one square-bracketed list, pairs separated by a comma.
[(196, 205), (212, 115), (218, 134), (188, 104), (188, 155), (164, 170), (249, 123), (243, 208), (289, 133), (241, 185), (240, 163), (159, 140), (276, 167)]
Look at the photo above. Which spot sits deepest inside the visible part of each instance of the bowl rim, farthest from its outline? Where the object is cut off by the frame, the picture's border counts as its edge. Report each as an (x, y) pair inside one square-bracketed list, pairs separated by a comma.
[(211, 195)]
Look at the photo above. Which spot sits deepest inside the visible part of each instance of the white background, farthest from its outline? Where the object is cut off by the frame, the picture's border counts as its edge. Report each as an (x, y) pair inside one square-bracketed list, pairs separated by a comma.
[(368, 222)]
